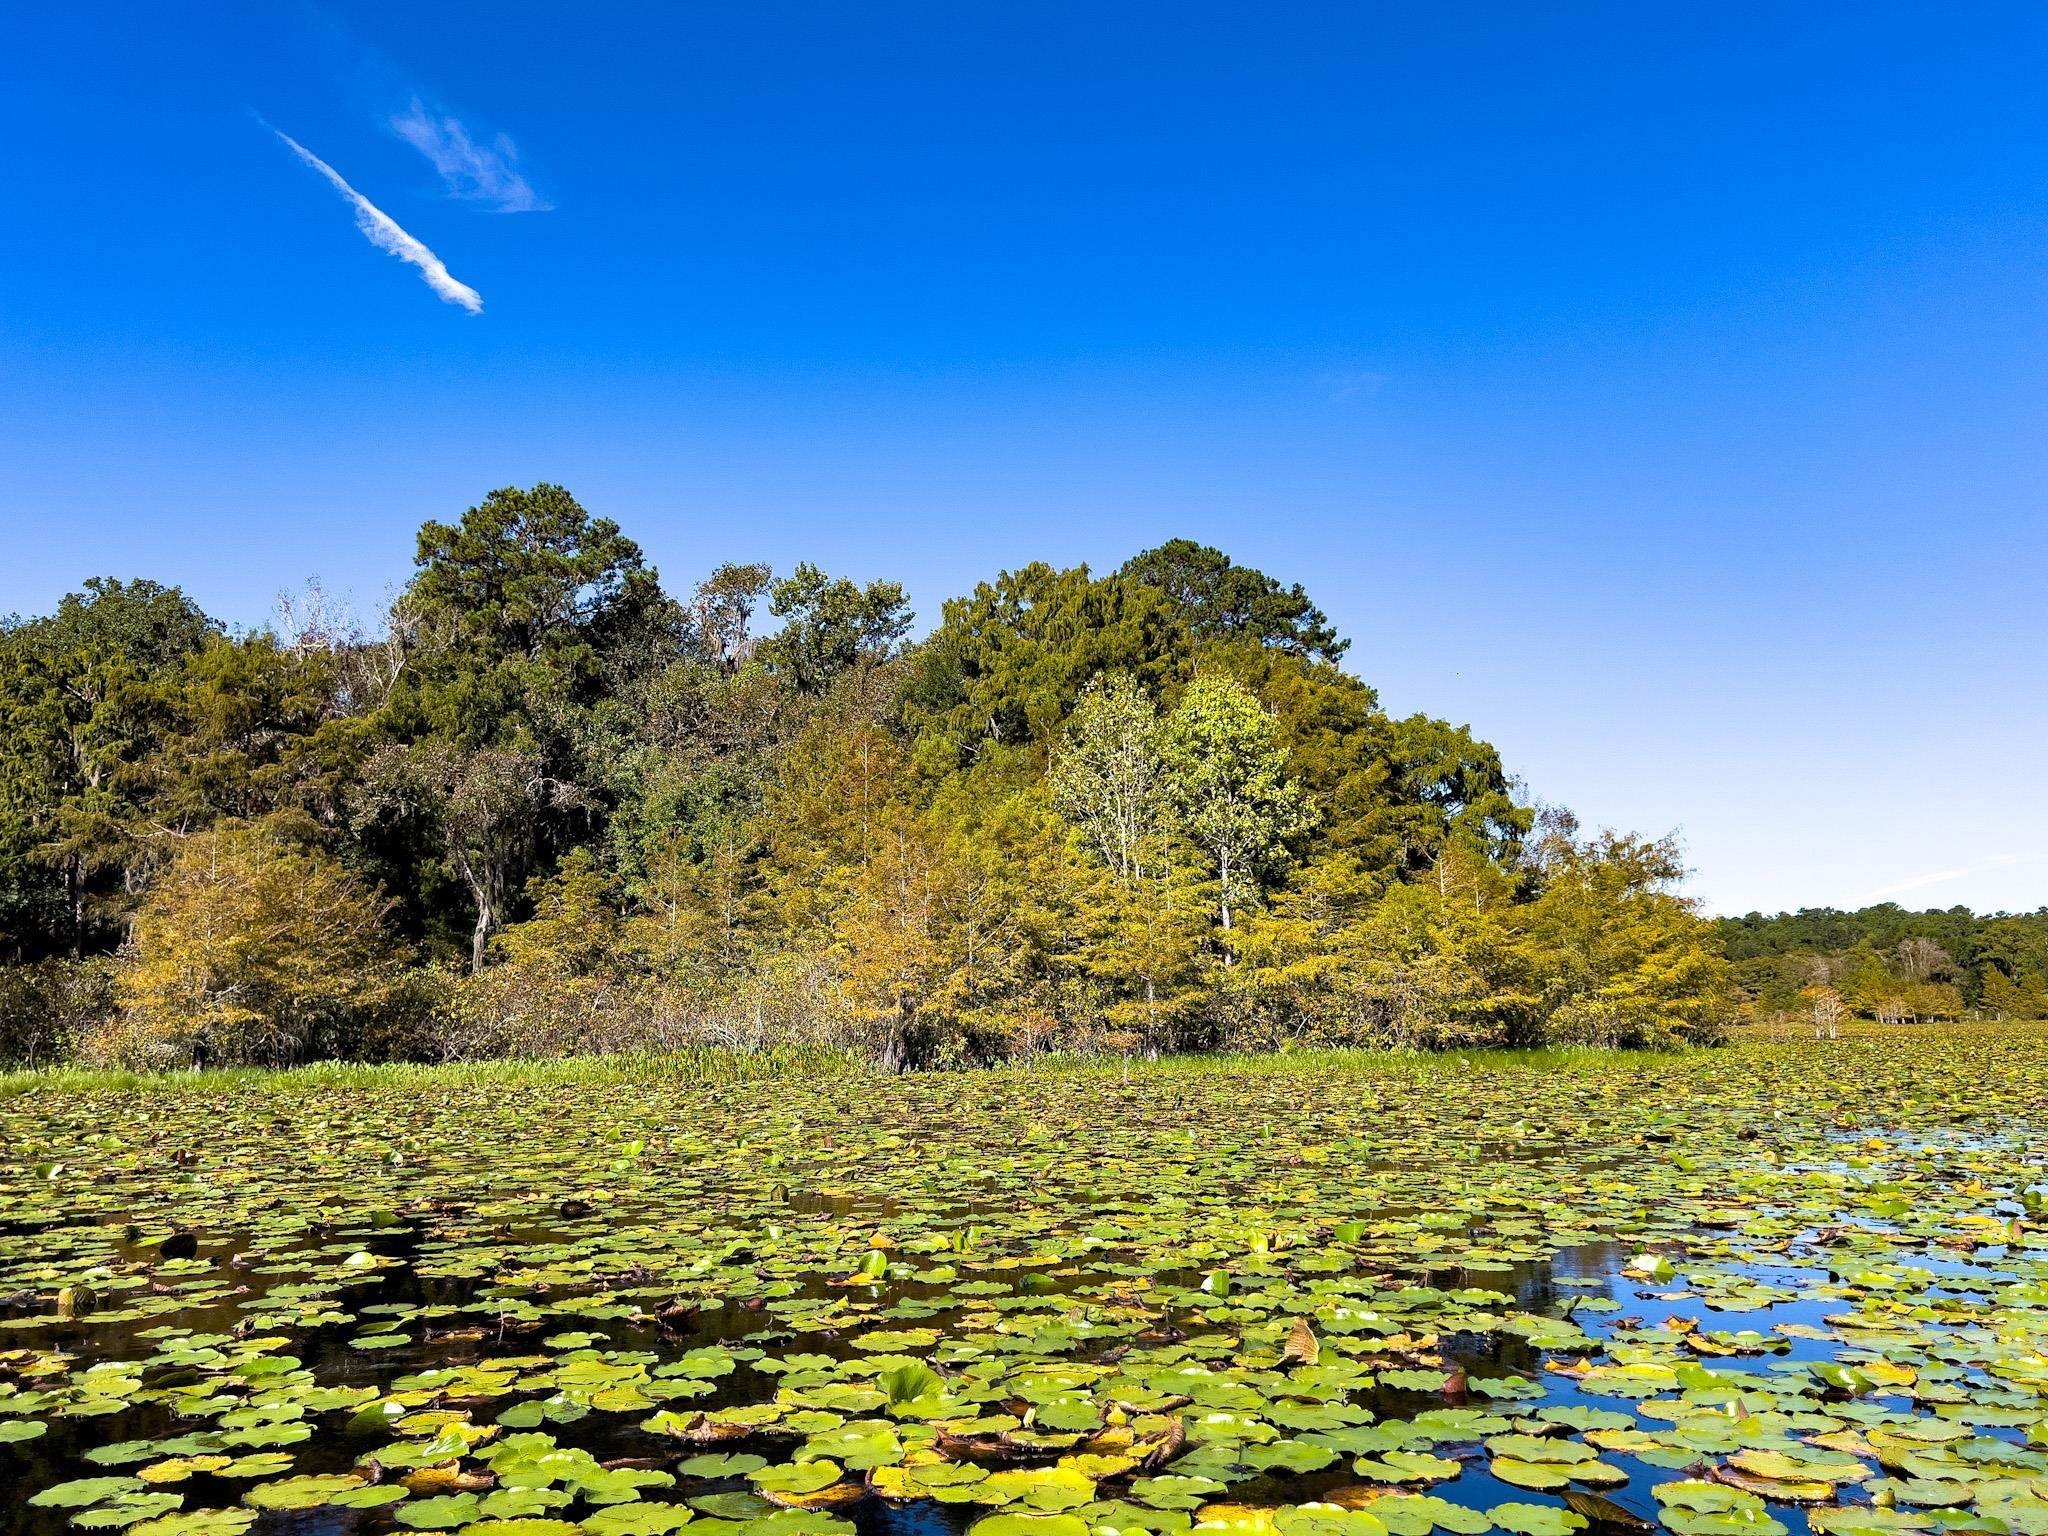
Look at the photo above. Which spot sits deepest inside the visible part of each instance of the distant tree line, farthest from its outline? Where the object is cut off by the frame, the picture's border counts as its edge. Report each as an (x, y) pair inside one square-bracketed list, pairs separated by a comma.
[(549, 805), (1886, 963)]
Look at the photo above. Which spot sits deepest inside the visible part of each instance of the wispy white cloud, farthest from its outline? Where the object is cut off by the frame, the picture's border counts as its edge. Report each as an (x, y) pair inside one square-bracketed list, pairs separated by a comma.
[(476, 173), (1943, 876), (382, 231)]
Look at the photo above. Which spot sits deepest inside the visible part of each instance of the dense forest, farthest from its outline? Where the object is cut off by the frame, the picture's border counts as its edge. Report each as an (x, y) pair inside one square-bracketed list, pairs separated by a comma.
[(1886, 963), (547, 805)]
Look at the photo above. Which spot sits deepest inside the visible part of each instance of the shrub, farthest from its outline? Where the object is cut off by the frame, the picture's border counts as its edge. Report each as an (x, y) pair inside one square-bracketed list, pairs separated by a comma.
[(48, 1007)]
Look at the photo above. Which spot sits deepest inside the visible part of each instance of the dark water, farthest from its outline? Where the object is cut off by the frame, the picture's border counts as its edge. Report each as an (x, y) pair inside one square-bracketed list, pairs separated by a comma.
[(233, 1280), (1557, 1286)]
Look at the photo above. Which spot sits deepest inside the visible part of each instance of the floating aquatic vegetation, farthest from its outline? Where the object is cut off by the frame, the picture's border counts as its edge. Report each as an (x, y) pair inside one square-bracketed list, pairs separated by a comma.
[(1756, 1291)]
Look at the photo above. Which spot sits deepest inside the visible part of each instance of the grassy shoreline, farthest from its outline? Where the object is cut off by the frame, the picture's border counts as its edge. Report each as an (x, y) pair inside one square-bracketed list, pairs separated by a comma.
[(721, 1065), (714, 1066)]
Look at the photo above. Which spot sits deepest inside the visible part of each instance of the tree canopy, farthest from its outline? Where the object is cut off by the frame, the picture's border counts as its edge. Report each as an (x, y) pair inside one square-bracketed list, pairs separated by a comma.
[(1887, 962), (1217, 599), (546, 806)]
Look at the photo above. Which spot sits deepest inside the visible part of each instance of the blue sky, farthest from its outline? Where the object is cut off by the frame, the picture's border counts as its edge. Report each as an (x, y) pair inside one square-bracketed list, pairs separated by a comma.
[(1659, 388)]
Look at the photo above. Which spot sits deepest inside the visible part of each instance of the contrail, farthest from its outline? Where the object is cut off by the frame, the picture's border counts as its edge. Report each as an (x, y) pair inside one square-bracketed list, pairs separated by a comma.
[(381, 231), (1940, 876)]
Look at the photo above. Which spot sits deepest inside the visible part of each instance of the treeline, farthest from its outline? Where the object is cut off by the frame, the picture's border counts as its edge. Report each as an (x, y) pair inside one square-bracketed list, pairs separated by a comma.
[(550, 806), (1886, 963)]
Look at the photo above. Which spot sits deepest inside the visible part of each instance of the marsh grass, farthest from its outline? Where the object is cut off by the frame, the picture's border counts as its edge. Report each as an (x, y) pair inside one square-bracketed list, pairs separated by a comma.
[(697, 1065), (718, 1065), (714, 1066)]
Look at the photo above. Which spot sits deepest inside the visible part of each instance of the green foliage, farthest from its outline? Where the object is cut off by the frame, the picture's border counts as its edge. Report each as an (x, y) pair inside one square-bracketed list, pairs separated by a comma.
[(242, 736), (531, 629), (82, 696), (48, 1007), (1138, 812), (527, 604), (1106, 775), (484, 807), (1217, 599), (1225, 780), (557, 978), (1009, 661), (1394, 792), (831, 627), (1891, 964)]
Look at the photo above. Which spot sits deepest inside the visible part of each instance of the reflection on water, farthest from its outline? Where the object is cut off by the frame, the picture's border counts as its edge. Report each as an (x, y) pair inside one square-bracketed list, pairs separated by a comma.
[(487, 1276), (1587, 1283)]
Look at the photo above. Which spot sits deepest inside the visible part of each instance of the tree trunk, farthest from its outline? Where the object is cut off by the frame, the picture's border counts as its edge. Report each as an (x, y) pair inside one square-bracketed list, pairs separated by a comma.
[(478, 938), (74, 879), (896, 1049), (1223, 873), (486, 920), (486, 880)]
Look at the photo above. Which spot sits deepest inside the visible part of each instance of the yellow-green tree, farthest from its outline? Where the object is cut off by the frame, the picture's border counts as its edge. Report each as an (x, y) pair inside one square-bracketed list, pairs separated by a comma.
[(916, 936), (1305, 961), (834, 787), (1225, 781), (1445, 961), (692, 920), (559, 981), (859, 877), (248, 948), (2023, 995), (1623, 959), (1138, 905)]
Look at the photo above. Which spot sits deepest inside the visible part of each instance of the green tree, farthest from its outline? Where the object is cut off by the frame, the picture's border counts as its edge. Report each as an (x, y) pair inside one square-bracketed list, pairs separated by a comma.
[(1008, 662), (1138, 927), (1392, 792), (683, 837), (49, 1006), (531, 628), (1303, 962), (722, 614), (482, 806), (1897, 954), (561, 982), (831, 627), (1140, 938), (529, 597), (237, 739), (1105, 773), (83, 694), (1217, 599), (838, 784), (1226, 782)]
